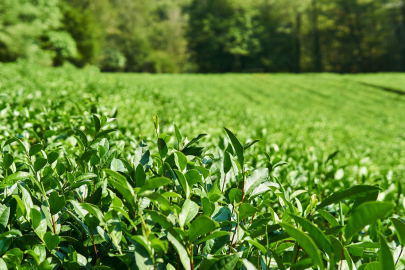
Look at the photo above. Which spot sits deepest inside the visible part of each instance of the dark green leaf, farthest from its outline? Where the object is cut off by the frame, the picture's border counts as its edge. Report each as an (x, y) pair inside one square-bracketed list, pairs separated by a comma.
[(249, 144), (48, 133), (307, 244), (14, 178), (82, 136), (104, 133), (96, 122), (181, 250), (400, 228), (315, 233), (227, 162), (366, 214), (200, 226), (246, 210), (346, 194), (213, 235), (237, 146), (329, 218), (39, 164), (7, 160), (56, 202), (52, 157), (384, 255), (155, 183), (36, 148), (194, 140), (51, 240)]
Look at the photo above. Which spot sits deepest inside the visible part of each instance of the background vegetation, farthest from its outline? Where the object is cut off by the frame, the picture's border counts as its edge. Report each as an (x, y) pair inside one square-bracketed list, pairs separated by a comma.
[(207, 36)]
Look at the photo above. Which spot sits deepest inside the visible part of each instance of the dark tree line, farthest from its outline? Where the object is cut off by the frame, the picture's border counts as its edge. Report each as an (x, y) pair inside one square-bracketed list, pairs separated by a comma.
[(207, 35)]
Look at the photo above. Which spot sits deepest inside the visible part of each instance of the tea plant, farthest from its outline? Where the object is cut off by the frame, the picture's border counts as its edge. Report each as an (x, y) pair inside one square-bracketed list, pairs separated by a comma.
[(80, 188), (80, 197)]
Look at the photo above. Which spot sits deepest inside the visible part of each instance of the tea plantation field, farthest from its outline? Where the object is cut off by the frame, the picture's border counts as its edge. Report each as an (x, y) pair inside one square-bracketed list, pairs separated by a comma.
[(136, 171)]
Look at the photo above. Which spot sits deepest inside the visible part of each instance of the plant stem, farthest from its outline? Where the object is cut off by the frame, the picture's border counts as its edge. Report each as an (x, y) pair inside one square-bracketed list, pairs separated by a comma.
[(94, 245)]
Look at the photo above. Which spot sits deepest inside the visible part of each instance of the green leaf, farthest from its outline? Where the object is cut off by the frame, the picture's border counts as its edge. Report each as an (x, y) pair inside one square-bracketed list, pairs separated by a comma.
[(178, 135), (20, 204), (39, 164), (20, 142), (183, 183), (181, 160), (60, 168), (104, 133), (36, 217), (227, 162), (140, 176), (157, 198), (206, 205), (248, 265), (384, 255), (78, 246), (373, 266), (307, 244), (4, 216), (215, 193), (188, 212), (193, 151), (351, 193), (200, 226), (400, 228), (246, 210), (255, 179), (56, 202), (213, 235), (7, 160), (193, 176), (117, 165), (257, 245), (52, 157), (182, 252), (160, 218), (96, 122), (48, 133), (3, 265), (235, 195), (249, 144), (92, 209), (366, 214), (86, 176), (237, 146), (156, 122), (315, 233), (226, 263), (155, 183), (51, 240), (162, 148), (82, 136), (14, 178), (36, 148), (329, 218), (194, 140)]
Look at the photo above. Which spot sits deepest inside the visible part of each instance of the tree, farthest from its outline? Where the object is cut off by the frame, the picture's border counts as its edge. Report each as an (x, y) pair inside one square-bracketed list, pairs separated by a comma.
[(30, 29)]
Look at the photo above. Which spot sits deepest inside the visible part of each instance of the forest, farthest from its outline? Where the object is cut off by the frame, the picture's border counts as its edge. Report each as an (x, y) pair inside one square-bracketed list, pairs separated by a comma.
[(208, 36)]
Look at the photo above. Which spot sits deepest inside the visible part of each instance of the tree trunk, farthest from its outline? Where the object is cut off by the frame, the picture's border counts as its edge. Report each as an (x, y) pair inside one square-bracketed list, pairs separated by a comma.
[(298, 43), (317, 45)]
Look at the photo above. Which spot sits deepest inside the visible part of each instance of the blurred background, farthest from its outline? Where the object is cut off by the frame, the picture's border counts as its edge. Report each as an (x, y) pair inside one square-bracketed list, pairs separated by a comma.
[(184, 36)]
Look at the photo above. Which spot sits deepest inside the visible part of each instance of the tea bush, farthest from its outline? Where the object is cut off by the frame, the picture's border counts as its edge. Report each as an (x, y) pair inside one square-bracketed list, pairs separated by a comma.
[(80, 189)]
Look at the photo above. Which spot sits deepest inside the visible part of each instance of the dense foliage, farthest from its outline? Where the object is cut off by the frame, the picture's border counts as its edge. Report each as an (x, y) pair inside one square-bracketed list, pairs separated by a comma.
[(209, 36), (80, 189)]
